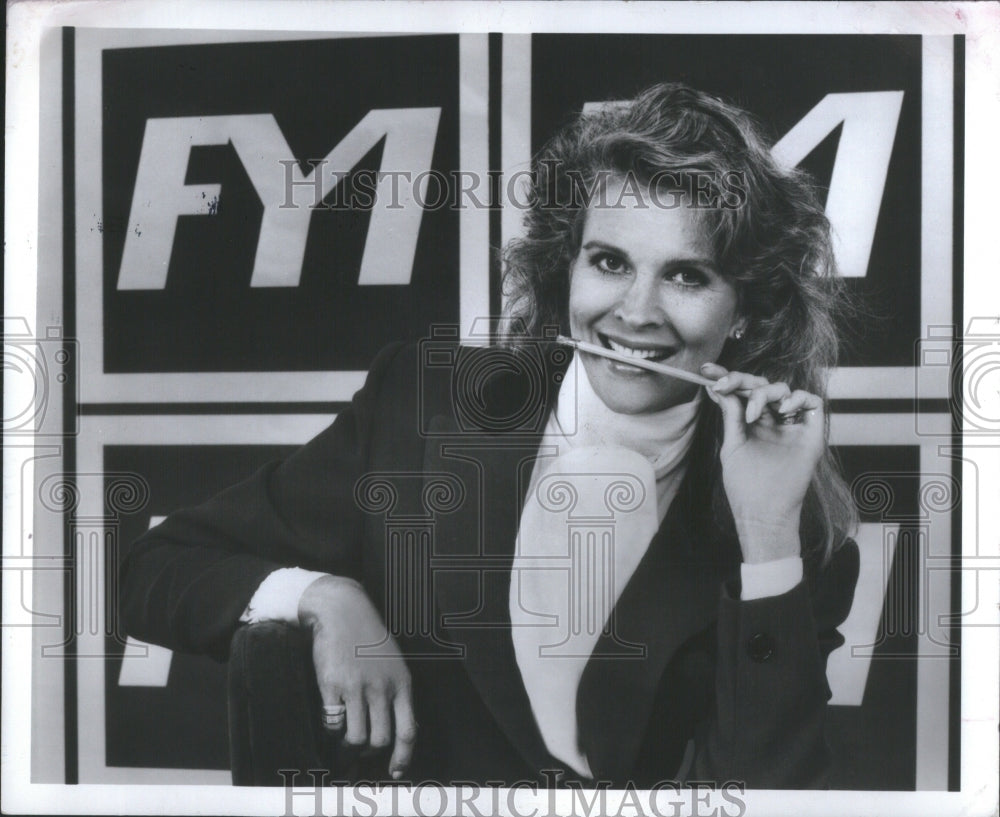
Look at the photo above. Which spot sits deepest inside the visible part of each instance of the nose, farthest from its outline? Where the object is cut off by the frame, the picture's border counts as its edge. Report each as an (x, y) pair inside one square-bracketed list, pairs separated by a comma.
[(639, 305)]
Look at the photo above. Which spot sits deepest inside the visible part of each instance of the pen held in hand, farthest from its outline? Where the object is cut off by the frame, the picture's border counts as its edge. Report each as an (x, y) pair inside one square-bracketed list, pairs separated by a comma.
[(663, 368)]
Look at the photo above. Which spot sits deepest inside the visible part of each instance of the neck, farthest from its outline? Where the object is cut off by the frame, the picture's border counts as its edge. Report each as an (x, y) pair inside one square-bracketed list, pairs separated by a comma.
[(663, 437)]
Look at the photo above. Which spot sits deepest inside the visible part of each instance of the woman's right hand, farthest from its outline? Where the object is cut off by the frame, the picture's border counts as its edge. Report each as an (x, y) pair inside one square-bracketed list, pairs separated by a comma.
[(374, 687)]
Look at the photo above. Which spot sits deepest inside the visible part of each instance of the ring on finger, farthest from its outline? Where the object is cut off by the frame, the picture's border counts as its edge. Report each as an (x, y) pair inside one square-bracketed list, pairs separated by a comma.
[(334, 714), (792, 418)]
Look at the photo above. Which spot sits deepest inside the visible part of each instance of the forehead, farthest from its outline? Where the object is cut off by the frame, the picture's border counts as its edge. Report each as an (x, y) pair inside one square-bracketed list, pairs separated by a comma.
[(628, 216)]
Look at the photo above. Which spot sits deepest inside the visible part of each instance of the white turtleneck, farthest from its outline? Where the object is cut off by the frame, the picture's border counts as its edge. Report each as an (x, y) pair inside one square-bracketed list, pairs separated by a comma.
[(599, 490), (583, 420)]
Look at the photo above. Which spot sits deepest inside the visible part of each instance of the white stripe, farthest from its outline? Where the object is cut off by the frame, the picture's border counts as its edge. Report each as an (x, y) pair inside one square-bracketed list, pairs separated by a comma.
[(936, 183), (889, 429), (933, 667), (893, 382), (516, 126), (937, 152), (474, 157)]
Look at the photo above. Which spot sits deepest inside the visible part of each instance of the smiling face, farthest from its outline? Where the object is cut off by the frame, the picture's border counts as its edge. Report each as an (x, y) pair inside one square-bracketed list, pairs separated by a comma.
[(645, 283)]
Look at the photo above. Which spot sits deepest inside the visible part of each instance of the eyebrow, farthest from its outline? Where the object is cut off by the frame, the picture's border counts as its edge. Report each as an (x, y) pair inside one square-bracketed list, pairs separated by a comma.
[(695, 260)]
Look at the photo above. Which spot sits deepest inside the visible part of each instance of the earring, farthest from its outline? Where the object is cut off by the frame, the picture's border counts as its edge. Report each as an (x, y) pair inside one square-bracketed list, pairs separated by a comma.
[(738, 334)]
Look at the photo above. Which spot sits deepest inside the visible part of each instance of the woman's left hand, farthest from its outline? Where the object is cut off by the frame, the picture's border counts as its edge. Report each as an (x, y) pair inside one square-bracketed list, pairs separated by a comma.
[(766, 465)]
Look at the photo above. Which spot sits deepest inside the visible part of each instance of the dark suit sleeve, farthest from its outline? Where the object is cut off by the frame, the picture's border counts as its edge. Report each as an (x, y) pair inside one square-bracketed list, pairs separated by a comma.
[(771, 687), (186, 582)]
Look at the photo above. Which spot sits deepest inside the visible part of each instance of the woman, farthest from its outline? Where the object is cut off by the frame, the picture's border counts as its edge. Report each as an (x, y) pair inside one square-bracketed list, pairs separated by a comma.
[(672, 617)]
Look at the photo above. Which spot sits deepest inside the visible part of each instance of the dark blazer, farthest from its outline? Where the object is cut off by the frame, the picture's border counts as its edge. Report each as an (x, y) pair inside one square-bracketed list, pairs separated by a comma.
[(416, 491)]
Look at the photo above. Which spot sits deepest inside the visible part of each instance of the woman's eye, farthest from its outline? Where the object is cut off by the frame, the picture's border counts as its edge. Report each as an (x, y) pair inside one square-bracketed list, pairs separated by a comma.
[(688, 276), (609, 263)]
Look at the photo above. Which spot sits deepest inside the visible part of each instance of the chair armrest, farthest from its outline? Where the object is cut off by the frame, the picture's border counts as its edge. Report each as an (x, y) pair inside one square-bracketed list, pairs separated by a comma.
[(275, 708)]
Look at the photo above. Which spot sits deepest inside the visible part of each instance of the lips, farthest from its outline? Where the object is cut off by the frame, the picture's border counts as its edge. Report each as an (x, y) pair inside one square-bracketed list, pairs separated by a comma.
[(644, 352)]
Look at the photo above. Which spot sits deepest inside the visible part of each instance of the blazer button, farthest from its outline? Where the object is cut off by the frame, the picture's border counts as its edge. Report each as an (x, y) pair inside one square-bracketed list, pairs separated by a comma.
[(760, 647)]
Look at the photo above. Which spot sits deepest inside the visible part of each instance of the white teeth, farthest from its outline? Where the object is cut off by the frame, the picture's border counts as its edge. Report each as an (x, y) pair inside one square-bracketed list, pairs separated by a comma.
[(628, 350)]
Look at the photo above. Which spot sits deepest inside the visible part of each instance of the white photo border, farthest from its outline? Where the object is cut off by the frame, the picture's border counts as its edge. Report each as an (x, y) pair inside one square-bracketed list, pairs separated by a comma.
[(27, 22)]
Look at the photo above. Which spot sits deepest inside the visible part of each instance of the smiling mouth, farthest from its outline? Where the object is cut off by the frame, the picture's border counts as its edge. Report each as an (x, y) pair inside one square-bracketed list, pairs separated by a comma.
[(655, 353)]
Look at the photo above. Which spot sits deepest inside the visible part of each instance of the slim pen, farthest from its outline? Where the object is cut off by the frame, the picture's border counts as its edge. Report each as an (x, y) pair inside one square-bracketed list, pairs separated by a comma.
[(662, 368), (642, 363)]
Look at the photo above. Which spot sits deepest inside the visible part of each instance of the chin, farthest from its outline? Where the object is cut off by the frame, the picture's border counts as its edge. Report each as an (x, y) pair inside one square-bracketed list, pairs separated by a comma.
[(636, 392), (623, 404), (626, 406)]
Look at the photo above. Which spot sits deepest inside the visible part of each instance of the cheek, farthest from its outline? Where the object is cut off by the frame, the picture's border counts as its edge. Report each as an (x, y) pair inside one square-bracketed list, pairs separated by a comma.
[(585, 301), (708, 323)]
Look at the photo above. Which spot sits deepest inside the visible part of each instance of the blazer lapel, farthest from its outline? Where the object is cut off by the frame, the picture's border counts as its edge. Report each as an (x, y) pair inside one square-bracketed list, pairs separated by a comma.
[(473, 554), (672, 596), (474, 543)]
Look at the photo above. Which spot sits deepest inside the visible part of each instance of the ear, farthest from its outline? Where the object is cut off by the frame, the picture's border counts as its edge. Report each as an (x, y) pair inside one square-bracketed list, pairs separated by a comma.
[(738, 329)]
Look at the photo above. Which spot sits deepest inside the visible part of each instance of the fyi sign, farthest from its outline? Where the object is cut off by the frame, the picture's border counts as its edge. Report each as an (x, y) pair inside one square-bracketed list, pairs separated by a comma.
[(287, 193), (266, 225)]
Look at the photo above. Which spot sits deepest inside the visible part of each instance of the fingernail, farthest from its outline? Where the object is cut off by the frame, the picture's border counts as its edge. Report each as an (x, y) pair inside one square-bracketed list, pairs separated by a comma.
[(705, 366), (397, 773)]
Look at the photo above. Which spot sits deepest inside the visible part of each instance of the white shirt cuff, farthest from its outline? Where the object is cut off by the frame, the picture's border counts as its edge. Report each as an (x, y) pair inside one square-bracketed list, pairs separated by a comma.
[(770, 578), (277, 597)]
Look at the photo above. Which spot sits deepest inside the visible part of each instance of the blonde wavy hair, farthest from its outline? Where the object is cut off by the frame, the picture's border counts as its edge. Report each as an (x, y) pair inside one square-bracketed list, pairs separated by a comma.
[(768, 230)]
